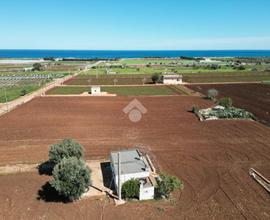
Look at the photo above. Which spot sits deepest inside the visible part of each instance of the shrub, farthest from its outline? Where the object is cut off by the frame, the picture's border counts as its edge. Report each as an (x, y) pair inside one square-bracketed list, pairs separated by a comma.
[(166, 185), (241, 68), (195, 109), (155, 77), (66, 148), (37, 66), (225, 102), (212, 94), (131, 188), (23, 92), (71, 178)]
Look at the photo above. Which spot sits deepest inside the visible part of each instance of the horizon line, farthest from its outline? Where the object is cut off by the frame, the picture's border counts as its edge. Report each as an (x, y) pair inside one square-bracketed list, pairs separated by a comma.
[(143, 49)]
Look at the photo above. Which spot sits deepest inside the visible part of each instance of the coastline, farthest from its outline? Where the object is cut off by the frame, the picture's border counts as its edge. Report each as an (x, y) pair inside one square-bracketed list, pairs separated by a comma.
[(129, 54)]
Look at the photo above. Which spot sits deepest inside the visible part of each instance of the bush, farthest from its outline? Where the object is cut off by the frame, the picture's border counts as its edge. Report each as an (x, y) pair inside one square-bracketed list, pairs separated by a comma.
[(65, 149), (37, 66), (166, 185), (225, 102), (212, 94), (195, 109), (23, 92), (71, 178), (131, 189), (155, 77)]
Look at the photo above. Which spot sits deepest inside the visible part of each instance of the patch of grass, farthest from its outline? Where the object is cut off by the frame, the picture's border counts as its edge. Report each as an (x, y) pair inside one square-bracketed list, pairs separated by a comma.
[(15, 92), (110, 80), (68, 90), (139, 90), (118, 90)]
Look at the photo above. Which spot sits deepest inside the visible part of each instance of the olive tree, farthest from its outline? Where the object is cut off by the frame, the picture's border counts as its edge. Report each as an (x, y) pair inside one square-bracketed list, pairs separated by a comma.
[(37, 67), (155, 77), (212, 94), (66, 148), (71, 178), (225, 102)]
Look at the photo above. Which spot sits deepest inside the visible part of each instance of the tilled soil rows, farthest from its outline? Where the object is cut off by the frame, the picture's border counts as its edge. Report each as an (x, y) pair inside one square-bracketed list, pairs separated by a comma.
[(212, 158), (252, 97)]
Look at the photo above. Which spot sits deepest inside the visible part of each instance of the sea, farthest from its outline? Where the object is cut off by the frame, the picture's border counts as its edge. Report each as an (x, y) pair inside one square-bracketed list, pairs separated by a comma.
[(108, 54)]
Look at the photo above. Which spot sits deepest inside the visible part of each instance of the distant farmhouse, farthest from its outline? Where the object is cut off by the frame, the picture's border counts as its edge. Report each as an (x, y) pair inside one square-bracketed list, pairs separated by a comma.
[(133, 165), (28, 69), (171, 79)]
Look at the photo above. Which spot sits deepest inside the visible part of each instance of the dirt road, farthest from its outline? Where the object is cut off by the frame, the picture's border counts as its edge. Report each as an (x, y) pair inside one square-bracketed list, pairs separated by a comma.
[(4, 108)]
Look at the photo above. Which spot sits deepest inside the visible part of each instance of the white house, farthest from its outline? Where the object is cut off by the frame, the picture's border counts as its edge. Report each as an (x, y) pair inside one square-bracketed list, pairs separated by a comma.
[(95, 90), (133, 165), (28, 69), (171, 79)]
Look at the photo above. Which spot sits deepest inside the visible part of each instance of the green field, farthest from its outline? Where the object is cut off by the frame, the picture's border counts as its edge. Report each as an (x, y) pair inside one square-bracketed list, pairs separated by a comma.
[(139, 90), (152, 61), (125, 79), (15, 92), (162, 69), (118, 90), (68, 90)]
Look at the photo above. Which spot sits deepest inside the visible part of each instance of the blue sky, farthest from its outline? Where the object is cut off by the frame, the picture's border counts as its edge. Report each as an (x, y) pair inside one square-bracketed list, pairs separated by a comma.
[(135, 25)]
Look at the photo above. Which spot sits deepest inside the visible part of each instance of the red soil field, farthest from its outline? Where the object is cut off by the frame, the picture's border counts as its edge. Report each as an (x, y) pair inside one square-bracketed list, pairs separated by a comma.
[(212, 158), (252, 97)]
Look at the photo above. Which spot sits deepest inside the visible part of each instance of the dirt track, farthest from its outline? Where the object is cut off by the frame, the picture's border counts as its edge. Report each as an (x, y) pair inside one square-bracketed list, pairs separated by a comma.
[(212, 158), (252, 97)]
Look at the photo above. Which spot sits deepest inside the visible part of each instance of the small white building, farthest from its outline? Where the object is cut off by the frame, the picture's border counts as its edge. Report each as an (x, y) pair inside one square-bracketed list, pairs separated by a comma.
[(28, 69), (133, 165), (95, 90), (171, 79)]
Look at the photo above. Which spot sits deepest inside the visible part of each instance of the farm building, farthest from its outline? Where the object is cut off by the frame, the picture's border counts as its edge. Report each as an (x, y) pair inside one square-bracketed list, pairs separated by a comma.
[(133, 165), (171, 79), (28, 69), (95, 90)]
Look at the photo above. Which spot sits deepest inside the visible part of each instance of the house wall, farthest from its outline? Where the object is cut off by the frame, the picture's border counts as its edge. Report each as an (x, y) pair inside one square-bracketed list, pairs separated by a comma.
[(95, 90), (147, 193), (172, 81), (126, 177)]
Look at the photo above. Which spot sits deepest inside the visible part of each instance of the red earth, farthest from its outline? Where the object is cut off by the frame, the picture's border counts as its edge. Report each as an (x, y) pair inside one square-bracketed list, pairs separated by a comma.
[(212, 158), (252, 97)]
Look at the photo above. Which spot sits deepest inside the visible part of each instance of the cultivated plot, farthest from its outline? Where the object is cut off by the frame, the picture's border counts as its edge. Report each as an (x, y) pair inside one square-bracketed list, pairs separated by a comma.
[(212, 158)]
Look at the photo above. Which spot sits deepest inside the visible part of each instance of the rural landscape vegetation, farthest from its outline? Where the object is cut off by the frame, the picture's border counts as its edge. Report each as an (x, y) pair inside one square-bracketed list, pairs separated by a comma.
[(139, 132)]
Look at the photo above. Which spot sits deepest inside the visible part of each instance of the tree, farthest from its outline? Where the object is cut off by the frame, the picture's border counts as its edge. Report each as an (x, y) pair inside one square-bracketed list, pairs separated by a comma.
[(212, 94), (166, 185), (71, 178), (225, 102), (155, 77), (131, 188), (37, 67), (195, 109), (23, 92), (66, 148)]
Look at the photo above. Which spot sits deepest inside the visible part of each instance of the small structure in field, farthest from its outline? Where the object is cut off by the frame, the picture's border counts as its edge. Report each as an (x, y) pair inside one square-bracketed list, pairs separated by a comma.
[(133, 165), (28, 69), (171, 79), (109, 72), (95, 90)]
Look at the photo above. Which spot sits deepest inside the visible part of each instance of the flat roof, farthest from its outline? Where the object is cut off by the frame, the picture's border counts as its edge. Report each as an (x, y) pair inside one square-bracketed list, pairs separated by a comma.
[(130, 161), (172, 76)]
